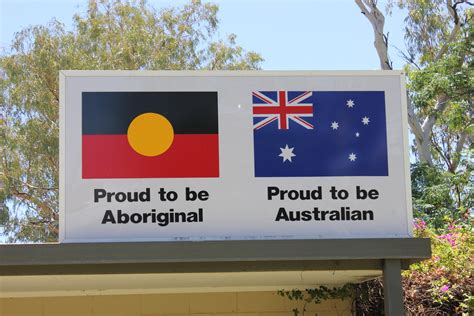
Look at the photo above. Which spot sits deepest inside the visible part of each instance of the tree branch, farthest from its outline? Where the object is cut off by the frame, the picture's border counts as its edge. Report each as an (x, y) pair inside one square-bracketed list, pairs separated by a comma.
[(409, 59), (457, 151), (463, 137), (413, 120), (43, 207), (430, 120), (443, 153), (29, 186), (377, 20), (454, 32)]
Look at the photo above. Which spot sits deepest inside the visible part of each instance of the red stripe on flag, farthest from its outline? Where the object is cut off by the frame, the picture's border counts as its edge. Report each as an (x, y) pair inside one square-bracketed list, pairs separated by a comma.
[(296, 109), (190, 156), (283, 113)]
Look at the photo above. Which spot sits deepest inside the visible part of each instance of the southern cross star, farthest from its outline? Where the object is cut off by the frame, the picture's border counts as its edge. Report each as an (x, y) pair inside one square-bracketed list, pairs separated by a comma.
[(287, 153), (334, 125), (365, 120), (352, 157), (350, 103)]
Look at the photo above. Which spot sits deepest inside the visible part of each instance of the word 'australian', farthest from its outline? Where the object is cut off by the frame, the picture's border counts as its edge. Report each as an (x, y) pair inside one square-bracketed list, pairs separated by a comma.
[(343, 214)]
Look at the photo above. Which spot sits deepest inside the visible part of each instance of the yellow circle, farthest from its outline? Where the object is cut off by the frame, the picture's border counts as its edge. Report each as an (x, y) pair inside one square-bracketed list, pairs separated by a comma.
[(150, 134)]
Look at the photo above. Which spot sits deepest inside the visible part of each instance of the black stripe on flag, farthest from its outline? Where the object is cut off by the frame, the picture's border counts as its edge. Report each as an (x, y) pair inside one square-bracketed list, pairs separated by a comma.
[(112, 112)]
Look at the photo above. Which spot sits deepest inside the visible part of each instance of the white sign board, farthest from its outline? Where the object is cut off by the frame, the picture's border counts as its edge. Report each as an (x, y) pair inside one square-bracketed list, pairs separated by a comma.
[(163, 156)]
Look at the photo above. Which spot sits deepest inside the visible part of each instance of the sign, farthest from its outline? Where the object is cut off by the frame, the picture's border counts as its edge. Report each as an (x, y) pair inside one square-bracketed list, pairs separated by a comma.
[(163, 156)]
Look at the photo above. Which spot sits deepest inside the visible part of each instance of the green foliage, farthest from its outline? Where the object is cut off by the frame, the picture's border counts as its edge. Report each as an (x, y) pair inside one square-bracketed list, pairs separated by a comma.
[(319, 294), (443, 89), (439, 36), (440, 197), (451, 76), (429, 25), (127, 35)]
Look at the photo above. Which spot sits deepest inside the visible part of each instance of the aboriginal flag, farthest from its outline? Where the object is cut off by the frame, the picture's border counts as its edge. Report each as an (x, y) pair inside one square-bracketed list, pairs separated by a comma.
[(149, 135)]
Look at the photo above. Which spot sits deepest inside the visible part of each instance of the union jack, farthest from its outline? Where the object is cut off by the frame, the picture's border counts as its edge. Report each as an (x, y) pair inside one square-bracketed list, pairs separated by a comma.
[(282, 109)]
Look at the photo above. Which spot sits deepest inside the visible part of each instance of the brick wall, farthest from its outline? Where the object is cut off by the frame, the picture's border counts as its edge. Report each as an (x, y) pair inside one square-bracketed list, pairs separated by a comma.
[(190, 304)]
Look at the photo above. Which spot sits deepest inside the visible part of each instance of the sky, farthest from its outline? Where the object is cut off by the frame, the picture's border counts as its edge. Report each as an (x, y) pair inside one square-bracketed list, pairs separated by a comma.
[(289, 34)]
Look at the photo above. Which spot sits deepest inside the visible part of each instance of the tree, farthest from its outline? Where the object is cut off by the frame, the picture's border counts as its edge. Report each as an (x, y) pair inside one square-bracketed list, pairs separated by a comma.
[(439, 37), (112, 35)]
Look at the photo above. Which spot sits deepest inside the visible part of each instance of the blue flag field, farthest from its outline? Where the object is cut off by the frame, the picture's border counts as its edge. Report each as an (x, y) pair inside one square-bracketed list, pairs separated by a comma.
[(319, 133)]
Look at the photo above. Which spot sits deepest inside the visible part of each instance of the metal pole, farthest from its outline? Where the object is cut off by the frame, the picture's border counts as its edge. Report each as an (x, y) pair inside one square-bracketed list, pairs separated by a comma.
[(392, 288)]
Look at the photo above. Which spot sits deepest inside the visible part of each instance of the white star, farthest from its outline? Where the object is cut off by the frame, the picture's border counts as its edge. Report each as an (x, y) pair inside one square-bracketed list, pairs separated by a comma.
[(357, 134), (334, 125), (365, 120), (287, 153), (350, 103), (352, 157)]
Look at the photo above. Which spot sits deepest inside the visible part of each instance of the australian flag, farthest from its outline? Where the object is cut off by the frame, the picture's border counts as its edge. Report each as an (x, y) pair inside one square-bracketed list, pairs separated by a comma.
[(319, 133)]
